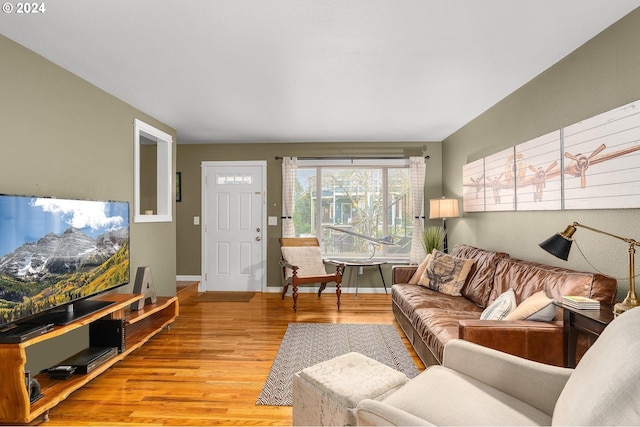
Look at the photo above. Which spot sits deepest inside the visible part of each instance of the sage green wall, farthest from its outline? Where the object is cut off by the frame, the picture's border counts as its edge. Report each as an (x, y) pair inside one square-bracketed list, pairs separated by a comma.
[(63, 137), (190, 156), (601, 75)]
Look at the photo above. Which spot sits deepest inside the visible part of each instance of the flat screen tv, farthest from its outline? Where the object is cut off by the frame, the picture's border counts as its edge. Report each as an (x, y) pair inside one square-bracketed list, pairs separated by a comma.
[(56, 253)]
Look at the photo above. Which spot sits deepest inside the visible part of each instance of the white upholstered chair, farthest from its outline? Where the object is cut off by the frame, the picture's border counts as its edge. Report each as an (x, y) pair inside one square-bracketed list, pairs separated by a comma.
[(302, 263), (480, 386)]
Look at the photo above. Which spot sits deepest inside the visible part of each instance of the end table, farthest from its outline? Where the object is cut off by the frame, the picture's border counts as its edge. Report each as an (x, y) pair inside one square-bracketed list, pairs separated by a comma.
[(589, 322)]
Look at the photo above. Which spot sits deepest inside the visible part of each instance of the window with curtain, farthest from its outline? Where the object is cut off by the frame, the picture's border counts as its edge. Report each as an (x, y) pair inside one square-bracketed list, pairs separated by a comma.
[(371, 197)]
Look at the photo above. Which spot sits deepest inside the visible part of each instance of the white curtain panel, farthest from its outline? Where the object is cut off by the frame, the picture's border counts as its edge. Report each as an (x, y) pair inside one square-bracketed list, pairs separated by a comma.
[(289, 169), (417, 172)]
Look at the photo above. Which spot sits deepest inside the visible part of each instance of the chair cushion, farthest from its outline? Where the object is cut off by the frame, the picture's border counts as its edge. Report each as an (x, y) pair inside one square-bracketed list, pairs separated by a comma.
[(445, 397), (308, 258), (603, 389)]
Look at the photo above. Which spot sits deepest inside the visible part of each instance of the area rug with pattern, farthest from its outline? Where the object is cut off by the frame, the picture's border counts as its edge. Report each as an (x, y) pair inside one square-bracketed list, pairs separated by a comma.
[(305, 344)]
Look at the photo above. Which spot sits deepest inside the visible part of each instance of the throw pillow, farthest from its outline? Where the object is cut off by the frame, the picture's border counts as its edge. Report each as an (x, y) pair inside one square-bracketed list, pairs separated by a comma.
[(420, 270), (538, 307), (446, 273), (501, 307)]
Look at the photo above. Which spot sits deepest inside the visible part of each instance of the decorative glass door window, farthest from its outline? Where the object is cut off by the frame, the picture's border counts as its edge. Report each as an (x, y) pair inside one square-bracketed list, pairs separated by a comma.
[(233, 179)]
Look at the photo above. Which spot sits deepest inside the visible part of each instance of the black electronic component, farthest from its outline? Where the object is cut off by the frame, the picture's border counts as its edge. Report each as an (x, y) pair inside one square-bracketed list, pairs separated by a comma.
[(24, 332), (108, 333), (90, 358)]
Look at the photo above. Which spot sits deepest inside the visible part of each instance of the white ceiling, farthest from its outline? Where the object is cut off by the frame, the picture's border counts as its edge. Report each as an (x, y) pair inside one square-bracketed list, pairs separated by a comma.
[(311, 70)]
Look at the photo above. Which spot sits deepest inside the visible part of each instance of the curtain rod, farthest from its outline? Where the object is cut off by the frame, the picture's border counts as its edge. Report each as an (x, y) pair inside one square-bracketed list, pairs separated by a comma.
[(350, 158)]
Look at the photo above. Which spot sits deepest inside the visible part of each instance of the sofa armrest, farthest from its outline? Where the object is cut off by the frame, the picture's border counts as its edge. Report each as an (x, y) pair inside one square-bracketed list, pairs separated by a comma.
[(538, 341), (402, 273), (375, 413), (535, 383)]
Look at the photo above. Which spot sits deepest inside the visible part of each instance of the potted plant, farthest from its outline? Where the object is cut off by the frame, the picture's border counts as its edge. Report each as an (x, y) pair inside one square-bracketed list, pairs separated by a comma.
[(433, 238)]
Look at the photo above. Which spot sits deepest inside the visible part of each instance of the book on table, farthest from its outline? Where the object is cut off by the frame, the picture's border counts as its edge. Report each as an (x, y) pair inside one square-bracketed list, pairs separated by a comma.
[(580, 302)]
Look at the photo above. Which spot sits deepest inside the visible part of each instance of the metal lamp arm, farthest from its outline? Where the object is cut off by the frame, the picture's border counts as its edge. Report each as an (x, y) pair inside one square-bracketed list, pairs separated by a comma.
[(631, 300), (625, 239)]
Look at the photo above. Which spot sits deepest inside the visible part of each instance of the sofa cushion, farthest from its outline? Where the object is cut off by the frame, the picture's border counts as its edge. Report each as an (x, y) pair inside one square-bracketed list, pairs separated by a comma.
[(420, 270), (409, 298), (526, 278), (538, 307), (480, 279), (501, 307), (433, 315), (446, 273), (437, 326)]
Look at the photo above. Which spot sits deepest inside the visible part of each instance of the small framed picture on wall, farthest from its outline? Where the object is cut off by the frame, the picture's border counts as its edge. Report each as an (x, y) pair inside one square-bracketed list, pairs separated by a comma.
[(178, 186)]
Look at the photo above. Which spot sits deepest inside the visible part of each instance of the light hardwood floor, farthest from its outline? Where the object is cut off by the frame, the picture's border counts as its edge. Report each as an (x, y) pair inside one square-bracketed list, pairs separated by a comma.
[(209, 368)]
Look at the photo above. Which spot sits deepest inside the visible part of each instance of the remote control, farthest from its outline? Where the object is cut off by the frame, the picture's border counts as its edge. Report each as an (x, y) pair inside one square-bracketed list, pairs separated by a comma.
[(61, 369)]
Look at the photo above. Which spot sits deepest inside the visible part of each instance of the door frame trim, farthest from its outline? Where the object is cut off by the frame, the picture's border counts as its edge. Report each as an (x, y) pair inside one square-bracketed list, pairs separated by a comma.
[(203, 215)]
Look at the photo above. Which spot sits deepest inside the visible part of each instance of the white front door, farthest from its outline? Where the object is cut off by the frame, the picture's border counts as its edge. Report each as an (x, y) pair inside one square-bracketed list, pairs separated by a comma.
[(233, 224)]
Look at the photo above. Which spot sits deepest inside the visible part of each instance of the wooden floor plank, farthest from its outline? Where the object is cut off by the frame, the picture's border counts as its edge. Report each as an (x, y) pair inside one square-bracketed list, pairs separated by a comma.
[(210, 366)]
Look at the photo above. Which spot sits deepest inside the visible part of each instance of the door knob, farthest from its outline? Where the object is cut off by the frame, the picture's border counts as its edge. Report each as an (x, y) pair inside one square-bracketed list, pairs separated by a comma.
[(258, 238)]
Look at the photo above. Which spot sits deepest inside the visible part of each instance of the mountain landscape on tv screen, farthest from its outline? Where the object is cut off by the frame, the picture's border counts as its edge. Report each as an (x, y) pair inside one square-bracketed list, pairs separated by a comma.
[(59, 268)]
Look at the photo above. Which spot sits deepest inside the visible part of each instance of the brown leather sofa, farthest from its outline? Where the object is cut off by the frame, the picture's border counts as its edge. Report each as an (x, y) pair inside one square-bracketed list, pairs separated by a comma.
[(430, 319)]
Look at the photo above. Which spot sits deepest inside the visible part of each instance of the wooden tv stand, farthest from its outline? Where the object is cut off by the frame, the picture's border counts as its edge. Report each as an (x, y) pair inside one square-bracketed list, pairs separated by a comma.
[(140, 326)]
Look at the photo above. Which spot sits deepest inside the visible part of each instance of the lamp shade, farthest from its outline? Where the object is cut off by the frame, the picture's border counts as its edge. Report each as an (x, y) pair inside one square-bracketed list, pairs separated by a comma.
[(558, 245), (443, 208)]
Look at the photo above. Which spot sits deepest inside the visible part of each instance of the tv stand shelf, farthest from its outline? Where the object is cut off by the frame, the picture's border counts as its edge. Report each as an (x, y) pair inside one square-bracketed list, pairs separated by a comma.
[(140, 326)]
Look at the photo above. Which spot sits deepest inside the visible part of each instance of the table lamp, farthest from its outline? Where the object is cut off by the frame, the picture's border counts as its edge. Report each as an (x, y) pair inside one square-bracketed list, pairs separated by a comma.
[(443, 208), (559, 245)]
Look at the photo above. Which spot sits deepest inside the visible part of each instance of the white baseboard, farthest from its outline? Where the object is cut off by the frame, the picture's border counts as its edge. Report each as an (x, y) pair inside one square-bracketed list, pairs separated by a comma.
[(188, 278), (302, 290), (329, 289)]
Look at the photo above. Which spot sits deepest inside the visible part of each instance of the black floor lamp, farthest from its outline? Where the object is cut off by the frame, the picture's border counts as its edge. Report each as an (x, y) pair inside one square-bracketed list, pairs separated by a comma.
[(444, 208)]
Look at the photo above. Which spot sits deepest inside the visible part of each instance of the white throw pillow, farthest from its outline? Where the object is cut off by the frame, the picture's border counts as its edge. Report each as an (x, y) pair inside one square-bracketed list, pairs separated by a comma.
[(501, 307)]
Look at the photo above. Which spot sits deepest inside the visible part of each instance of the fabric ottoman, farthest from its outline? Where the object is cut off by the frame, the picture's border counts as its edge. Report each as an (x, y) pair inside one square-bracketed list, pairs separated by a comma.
[(326, 393)]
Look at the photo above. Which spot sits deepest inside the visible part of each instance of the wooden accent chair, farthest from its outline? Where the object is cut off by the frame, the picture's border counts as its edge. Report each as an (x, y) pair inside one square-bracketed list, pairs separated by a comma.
[(302, 263)]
